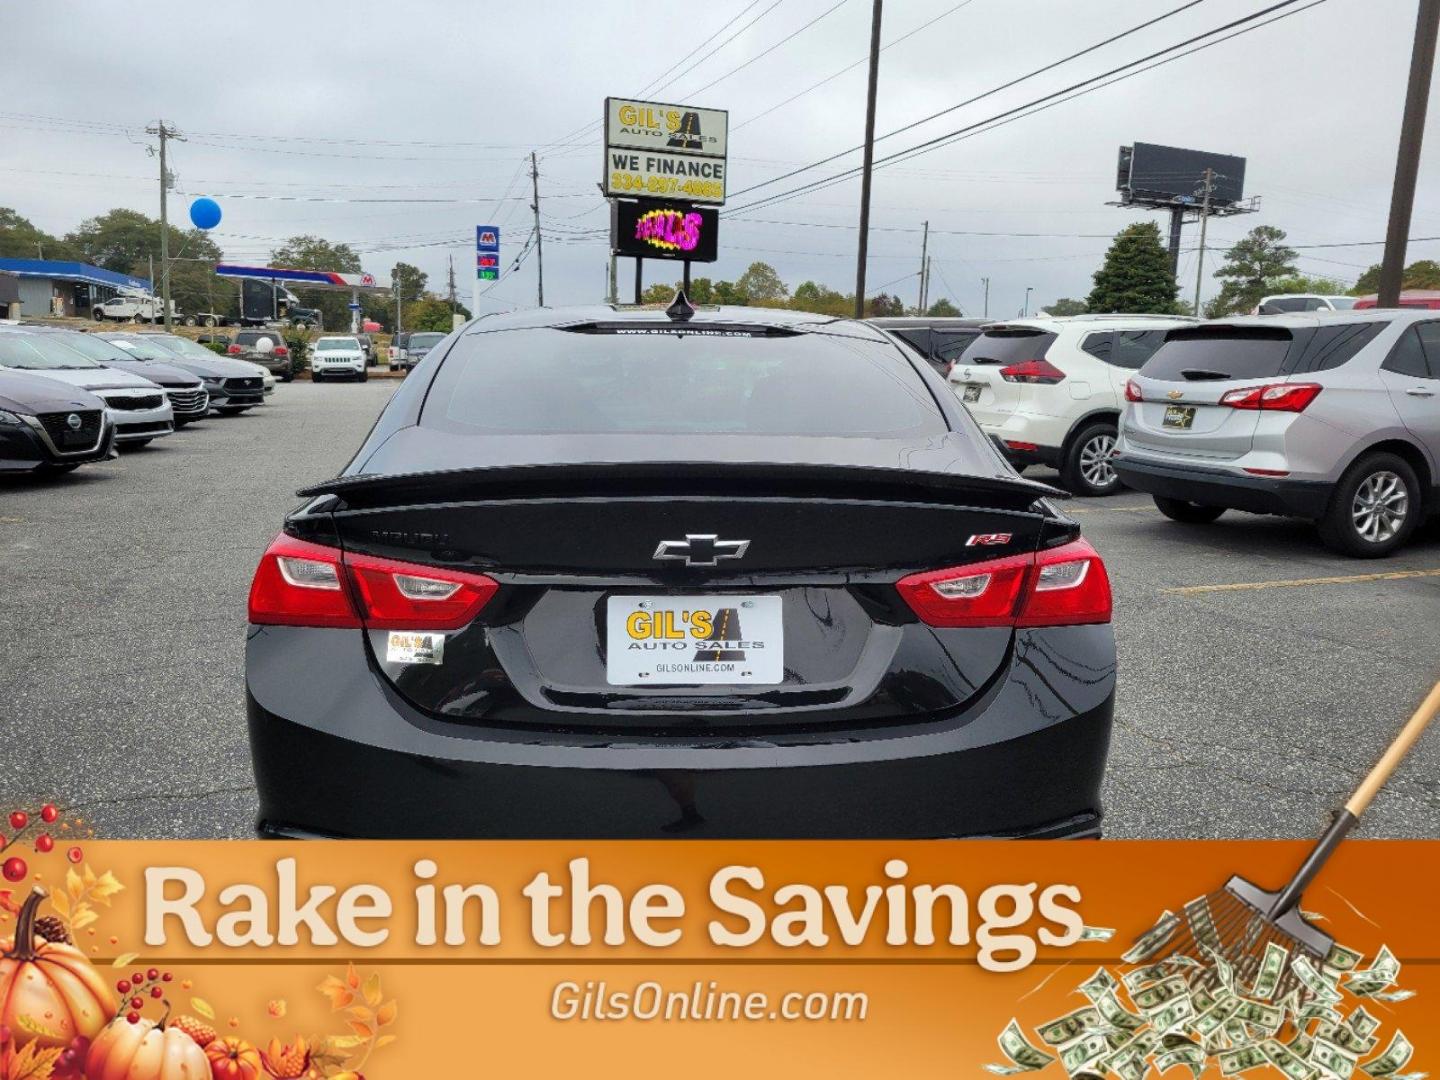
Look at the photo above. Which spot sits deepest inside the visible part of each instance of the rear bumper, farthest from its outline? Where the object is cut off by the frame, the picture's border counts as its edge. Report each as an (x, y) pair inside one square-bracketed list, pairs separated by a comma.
[(338, 753), (1217, 487)]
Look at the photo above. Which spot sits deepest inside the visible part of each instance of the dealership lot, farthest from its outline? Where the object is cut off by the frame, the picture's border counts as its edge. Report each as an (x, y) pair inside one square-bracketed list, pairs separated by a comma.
[(1260, 673)]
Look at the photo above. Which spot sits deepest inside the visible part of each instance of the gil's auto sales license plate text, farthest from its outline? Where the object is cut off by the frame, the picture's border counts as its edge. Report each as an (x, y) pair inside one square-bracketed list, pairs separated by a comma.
[(660, 640)]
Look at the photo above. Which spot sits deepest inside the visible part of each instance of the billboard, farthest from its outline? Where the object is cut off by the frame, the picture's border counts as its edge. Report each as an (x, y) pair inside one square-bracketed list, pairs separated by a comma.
[(663, 151), (1148, 172), (664, 230)]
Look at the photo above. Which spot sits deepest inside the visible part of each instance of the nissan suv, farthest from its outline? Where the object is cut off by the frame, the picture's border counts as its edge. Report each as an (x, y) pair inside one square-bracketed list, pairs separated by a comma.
[(1331, 416), (1050, 390), (266, 348)]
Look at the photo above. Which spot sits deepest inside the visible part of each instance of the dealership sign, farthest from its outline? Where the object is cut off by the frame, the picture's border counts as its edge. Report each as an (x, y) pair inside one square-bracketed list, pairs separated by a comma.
[(664, 230), (665, 151)]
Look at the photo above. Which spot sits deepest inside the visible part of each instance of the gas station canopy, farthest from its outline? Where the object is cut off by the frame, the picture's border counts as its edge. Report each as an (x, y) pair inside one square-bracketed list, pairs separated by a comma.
[(310, 279)]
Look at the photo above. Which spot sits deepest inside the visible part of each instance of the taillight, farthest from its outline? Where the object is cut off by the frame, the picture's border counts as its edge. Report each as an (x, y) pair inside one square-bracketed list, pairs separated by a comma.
[(234, 350), (1032, 371), (282, 350), (302, 584), (1064, 586), (1274, 397), (1132, 391)]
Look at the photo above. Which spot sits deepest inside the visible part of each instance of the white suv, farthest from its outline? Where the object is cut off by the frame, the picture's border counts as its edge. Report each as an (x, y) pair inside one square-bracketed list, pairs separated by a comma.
[(340, 355), (1050, 391)]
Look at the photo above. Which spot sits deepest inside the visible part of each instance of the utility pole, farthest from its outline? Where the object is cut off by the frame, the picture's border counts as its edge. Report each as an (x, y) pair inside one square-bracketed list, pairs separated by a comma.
[(1204, 221), (986, 282), (614, 296), (539, 249), (924, 259), (395, 277), (1407, 162), (869, 161), (452, 286), (164, 133)]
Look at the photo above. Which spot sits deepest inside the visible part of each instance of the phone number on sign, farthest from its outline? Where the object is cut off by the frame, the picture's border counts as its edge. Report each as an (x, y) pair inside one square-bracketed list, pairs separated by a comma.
[(667, 185)]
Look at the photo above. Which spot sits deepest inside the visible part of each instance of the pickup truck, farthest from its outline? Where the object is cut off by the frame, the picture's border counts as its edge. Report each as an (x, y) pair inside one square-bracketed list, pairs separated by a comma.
[(133, 309)]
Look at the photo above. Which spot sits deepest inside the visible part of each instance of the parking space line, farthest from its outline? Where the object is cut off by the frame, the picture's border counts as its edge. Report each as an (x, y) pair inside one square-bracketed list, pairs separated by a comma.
[(1351, 579), (1109, 509)]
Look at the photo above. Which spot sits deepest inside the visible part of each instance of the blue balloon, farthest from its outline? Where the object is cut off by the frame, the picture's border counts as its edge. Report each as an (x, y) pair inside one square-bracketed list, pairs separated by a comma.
[(205, 213)]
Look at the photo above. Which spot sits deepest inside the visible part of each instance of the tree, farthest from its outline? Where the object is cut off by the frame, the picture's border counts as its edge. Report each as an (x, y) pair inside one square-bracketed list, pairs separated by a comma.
[(809, 296), (20, 239), (943, 309), (126, 241), (1423, 274), (431, 313), (409, 280), (1251, 268), (1136, 277), (882, 305), (762, 285), (316, 253), (1066, 306), (662, 294), (729, 292)]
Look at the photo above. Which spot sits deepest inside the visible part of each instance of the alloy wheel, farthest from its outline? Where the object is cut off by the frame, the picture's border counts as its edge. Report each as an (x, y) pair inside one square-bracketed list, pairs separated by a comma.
[(1380, 506), (1095, 465)]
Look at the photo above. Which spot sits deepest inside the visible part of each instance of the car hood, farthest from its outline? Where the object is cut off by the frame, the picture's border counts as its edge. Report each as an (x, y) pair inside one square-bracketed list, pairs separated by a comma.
[(222, 367), (23, 392), (101, 378), (164, 374)]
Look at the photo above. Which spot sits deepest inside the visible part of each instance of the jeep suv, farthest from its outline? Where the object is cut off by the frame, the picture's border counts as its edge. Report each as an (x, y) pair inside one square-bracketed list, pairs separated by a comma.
[(1331, 416)]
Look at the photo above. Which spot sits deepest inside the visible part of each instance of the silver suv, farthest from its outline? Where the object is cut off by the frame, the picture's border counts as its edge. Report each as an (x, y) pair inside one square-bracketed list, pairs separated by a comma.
[(1332, 416)]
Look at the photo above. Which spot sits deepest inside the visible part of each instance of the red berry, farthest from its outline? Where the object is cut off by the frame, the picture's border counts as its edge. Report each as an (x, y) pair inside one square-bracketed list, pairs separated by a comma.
[(19, 819), (166, 977), (123, 986), (156, 992), (15, 869), (133, 1017), (152, 974), (49, 813), (138, 978), (44, 843), (137, 1003), (75, 854)]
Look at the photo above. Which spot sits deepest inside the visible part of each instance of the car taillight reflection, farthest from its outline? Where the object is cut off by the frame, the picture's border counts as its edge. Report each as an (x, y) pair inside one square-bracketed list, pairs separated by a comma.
[(299, 583), (1064, 586), (234, 350)]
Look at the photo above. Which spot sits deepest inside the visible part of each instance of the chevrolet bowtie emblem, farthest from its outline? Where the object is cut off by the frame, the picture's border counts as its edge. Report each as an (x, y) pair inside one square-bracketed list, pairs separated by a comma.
[(701, 549), (1175, 395)]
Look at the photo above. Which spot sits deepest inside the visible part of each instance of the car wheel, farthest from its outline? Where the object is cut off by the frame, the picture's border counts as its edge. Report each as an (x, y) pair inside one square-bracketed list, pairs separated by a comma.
[(189, 320), (232, 410), (1374, 508), (135, 444), (98, 315), (1188, 512), (209, 320), (364, 376), (1086, 469), (288, 378)]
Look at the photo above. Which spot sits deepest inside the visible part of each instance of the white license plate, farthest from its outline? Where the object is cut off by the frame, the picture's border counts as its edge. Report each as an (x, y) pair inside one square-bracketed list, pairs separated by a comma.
[(972, 393), (660, 640)]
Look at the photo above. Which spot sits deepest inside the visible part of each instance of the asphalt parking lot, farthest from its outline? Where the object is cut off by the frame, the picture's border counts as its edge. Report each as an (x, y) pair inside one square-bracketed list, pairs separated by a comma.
[(1260, 674)]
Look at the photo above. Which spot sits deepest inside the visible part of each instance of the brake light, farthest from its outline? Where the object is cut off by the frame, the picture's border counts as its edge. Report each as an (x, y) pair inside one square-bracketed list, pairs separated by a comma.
[(1132, 391), (282, 350), (302, 584), (1273, 397), (1032, 371), (234, 350), (1064, 586)]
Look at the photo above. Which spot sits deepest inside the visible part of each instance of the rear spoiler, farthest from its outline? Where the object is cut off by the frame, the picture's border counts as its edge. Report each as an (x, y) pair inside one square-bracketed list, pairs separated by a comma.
[(532, 481)]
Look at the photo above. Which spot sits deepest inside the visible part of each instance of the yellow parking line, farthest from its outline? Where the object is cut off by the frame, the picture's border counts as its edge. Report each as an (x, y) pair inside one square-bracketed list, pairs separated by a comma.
[(1352, 579)]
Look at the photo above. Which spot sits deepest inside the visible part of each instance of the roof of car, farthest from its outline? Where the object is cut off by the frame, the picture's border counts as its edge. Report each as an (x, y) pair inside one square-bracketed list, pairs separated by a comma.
[(1054, 322), (904, 322), (542, 318), (1292, 320)]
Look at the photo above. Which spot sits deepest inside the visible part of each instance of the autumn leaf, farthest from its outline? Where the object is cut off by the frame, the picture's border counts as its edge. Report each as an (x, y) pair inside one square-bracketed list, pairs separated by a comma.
[(59, 901), (124, 959), (203, 1007), (33, 1063), (84, 915), (105, 887), (372, 989), (352, 977), (339, 994), (344, 1042), (88, 876), (384, 1040), (365, 1031), (386, 1013), (73, 885), (28, 1023)]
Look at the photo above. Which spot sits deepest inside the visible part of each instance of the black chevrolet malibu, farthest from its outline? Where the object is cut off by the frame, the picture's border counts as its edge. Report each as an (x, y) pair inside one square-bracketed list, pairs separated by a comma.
[(47, 426), (701, 573)]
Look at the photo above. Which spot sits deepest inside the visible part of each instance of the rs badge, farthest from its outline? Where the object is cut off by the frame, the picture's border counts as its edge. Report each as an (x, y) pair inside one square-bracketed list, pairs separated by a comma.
[(988, 539)]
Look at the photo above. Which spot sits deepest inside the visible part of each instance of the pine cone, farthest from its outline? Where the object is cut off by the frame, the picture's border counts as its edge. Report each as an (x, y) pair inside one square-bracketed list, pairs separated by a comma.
[(52, 929)]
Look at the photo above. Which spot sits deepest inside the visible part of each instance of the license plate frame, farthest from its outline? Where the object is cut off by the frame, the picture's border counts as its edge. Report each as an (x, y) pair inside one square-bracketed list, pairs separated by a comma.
[(657, 640), (1179, 417)]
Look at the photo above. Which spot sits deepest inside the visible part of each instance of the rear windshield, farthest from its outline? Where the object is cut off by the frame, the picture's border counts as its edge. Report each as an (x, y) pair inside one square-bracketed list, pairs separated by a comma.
[(1007, 347), (250, 337), (425, 341), (1224, 353), (551, 381)]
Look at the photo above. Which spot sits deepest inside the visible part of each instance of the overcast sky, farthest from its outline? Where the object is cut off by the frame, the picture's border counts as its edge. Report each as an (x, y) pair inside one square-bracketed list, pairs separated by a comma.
[(443, 102)]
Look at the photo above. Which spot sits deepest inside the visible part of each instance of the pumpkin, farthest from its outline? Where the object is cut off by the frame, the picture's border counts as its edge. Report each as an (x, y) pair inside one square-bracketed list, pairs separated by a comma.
[(49, 993), (233, 1059), (145, 1050)]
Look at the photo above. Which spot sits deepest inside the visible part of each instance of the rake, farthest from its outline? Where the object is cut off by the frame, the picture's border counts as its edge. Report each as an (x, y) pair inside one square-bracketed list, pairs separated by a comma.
[(1239, 921)]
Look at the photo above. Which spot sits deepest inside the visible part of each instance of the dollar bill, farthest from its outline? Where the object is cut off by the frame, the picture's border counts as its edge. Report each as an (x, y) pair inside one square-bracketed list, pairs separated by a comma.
[(1332, 1059), (1342, 959), (1083, 1052), (1069, 1027), (1361, 1022), (1102, 982), (1153, 940), (1267, 1017), (1287, 1061), (1396, 1056), (1391, 996), (1319, 987), (1116, 1015), (1202, 923), (1023, 1056), (1192, 1056), (1162, 993), (1213, 1019), (1272, 966), (1173, 1015), (1141, 976), (1381, 974), (1302, 1044), (1223, 971), (1346, 1038), (1240, 1059), (1097, 933)]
